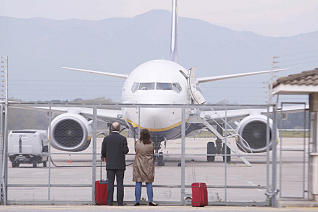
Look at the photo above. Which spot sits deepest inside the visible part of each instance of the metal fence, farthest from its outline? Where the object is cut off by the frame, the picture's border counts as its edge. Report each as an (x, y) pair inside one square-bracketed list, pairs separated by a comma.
[(294, 157), (233, 177)]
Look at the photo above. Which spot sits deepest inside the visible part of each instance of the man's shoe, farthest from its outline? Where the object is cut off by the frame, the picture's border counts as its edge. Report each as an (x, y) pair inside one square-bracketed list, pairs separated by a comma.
[(153, 204), (137, 204)]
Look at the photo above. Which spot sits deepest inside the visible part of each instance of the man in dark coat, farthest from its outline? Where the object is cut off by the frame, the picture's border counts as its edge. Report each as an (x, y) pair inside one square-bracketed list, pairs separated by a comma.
[(114, 148)]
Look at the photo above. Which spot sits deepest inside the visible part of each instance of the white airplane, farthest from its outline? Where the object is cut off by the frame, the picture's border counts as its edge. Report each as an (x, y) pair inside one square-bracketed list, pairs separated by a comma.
[(161, 82)]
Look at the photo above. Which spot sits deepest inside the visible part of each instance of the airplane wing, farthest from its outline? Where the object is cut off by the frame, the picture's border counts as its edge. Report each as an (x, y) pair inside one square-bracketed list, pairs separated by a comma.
[(107, 115), (123, 76), (237, 114), (222, 77), (231, 115)]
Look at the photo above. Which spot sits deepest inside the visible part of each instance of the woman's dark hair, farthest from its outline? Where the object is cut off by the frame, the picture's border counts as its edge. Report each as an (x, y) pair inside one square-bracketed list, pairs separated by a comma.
[(145, 136)]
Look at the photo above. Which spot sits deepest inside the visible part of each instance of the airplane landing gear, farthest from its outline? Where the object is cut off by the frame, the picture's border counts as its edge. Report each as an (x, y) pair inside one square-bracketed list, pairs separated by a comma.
[(210, 149), (159, 159), (218, 147), (226, 150)]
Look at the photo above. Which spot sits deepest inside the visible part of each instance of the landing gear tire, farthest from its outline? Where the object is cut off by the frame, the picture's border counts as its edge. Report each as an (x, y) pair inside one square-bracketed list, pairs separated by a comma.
[(44, 164), (210, 149), (15, 164), (35, 165), (228, 152), (161, 162)]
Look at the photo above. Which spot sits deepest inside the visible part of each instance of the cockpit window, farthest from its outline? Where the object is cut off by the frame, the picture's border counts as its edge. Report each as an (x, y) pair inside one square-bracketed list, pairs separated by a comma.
[(163, 86), (134, 87), (156, 86), (168, 86), (146, 86)]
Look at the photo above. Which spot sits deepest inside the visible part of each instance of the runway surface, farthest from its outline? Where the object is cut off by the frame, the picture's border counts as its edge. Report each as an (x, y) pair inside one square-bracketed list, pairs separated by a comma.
[(146, 208)]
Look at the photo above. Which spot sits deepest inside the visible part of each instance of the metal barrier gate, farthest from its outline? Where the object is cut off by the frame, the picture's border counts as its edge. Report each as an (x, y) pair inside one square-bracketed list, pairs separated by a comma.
[(3, 125), (294, 153), (239, 179)]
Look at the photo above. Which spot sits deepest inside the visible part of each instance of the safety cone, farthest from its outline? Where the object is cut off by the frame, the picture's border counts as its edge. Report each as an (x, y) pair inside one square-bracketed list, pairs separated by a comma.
[(69, 158)]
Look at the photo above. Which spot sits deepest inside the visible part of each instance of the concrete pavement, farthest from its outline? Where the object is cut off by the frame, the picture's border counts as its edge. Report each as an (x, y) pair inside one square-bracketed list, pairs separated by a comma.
[(89, 208)]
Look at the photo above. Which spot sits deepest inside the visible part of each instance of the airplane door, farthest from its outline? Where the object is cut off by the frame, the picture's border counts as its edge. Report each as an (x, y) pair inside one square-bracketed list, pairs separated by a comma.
[(196, 94), (294, 154)]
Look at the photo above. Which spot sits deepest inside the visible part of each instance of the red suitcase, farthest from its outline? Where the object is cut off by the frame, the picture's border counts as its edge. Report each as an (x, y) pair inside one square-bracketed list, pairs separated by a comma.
[(101, 192), (199, 194), (101, 189)]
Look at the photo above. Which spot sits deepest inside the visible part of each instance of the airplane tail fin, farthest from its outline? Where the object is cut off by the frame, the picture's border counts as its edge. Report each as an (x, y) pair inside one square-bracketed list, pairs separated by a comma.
[(174, 21)]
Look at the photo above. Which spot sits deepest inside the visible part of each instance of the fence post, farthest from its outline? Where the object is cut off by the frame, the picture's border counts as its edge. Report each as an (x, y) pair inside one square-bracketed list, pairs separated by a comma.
[(274, 158), (5, 152), (49, 152), (3, 156), (183, 157), (4, 115), (94, 132), (267, 154), (225, 156), (138, 122)]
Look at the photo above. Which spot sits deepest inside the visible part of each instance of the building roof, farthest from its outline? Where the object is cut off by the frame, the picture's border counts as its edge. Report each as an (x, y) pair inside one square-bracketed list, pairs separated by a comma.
[(304, 82), (303, 78)]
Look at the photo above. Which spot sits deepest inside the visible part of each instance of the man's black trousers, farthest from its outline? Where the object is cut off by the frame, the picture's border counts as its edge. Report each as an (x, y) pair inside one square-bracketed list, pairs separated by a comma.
[(119, 173)]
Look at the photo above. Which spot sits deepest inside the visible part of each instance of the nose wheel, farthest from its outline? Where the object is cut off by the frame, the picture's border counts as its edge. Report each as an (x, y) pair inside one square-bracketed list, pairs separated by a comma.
[(159, 159)]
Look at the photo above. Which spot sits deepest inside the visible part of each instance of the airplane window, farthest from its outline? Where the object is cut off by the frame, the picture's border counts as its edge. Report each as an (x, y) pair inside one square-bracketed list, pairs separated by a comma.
[(134, 87), (156, 86), (163, 86), (146, 86), (169, 86)]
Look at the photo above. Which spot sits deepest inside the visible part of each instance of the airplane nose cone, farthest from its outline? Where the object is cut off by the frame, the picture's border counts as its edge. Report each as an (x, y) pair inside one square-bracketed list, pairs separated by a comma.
[(153, 118), (156, 119)]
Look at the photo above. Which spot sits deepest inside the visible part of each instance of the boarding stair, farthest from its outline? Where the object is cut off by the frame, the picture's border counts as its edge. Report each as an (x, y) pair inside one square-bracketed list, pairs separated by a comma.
[(231, 133)]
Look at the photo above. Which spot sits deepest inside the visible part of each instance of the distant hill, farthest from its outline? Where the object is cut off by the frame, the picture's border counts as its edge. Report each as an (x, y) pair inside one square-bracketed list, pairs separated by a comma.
[(38, 47)]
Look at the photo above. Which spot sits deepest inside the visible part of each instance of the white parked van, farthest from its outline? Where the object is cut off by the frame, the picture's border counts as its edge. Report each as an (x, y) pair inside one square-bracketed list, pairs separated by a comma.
[(28, 146)]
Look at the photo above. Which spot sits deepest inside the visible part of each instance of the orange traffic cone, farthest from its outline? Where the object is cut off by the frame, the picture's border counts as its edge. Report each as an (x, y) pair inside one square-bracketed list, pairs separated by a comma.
[(69, 158)]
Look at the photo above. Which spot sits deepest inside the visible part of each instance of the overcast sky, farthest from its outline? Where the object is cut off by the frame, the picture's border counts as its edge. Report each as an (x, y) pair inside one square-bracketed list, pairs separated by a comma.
[(266, 17)]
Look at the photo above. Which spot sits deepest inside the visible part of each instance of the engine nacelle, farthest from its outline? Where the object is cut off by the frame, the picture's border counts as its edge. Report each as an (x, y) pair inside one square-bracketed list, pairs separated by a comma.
[(253, 130), (70, 132)]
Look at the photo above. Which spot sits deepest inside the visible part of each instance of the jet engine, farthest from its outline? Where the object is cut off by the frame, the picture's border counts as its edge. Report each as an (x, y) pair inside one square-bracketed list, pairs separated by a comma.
[(70, 132), (253, 130)]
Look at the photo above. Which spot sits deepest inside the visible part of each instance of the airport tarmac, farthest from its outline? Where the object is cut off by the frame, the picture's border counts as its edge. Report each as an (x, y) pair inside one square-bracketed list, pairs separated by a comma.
[(76, 169), (147, 208)]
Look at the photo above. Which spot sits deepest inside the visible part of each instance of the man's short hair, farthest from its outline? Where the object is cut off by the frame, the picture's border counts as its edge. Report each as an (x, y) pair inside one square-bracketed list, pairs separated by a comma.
[(115, 126)]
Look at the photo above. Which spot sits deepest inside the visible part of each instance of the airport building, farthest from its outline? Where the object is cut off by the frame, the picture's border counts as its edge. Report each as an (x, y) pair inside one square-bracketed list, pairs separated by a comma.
[(305, 83)]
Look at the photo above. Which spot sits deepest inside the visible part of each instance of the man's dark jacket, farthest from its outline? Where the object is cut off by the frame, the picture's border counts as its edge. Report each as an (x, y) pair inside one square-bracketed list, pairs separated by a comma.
[(114, 148)]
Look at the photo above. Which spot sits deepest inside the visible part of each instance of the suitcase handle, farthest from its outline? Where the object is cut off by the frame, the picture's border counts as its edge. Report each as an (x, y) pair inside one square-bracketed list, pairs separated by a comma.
[(101, 171)]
